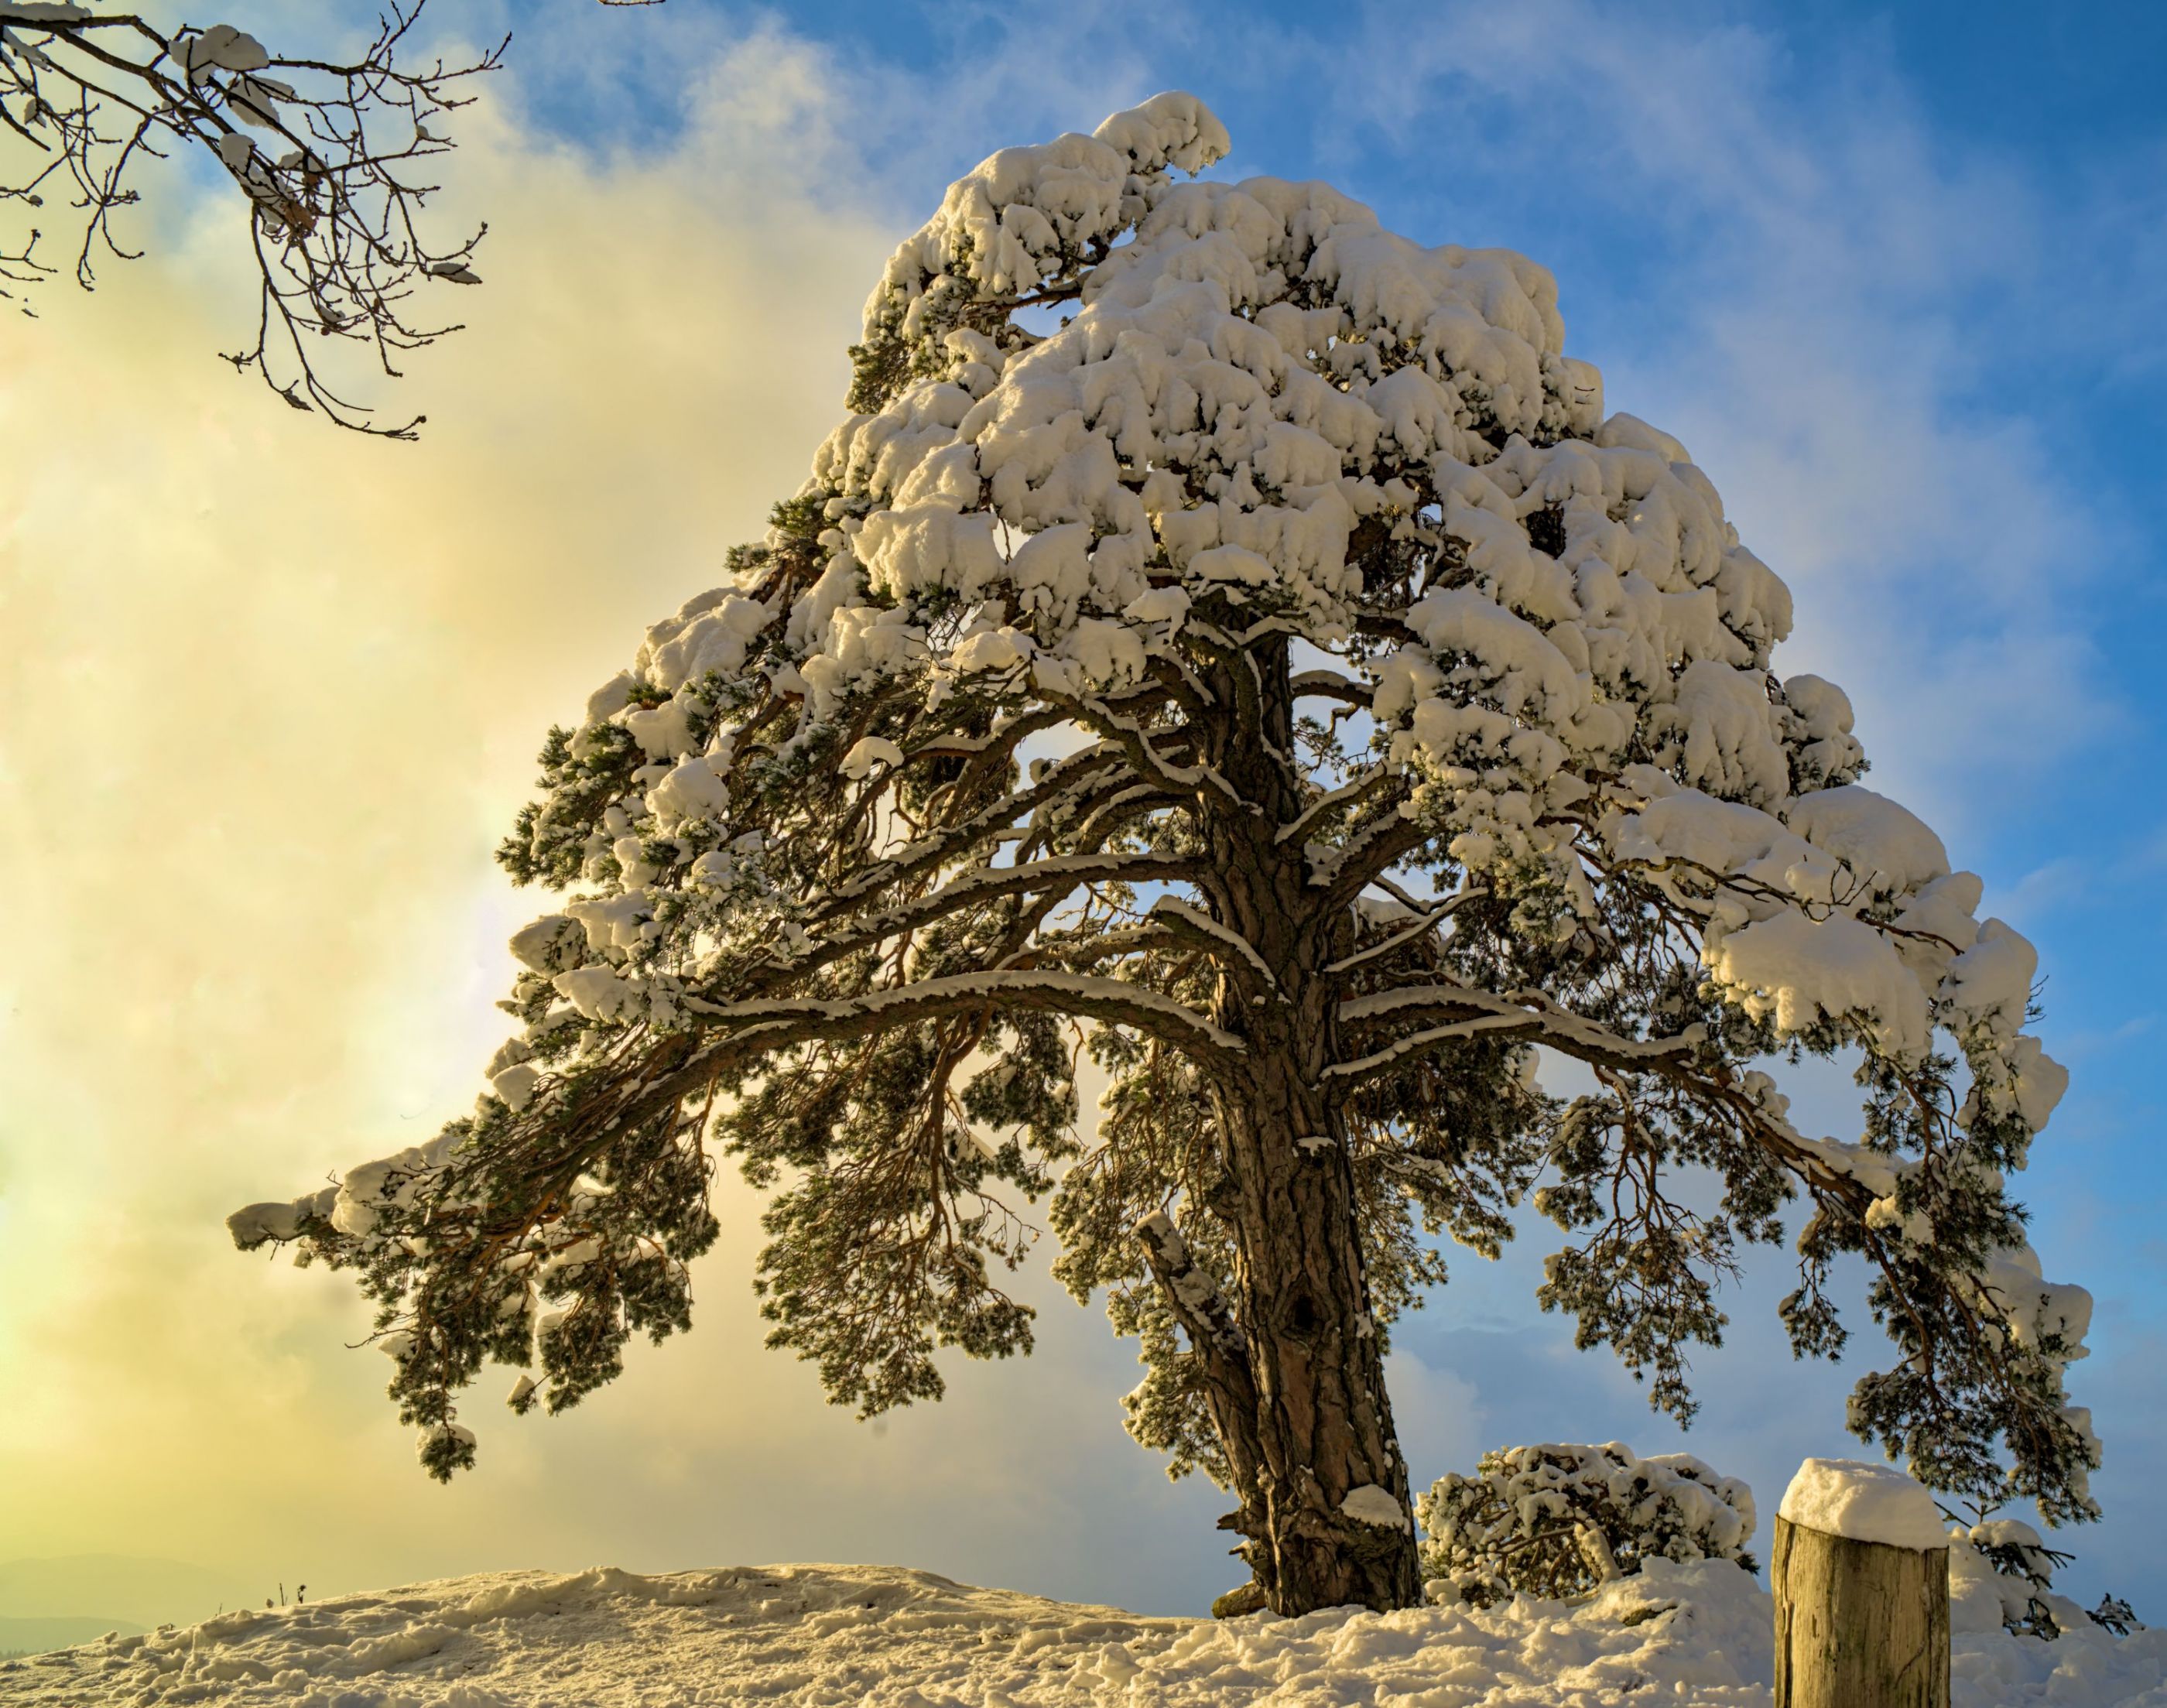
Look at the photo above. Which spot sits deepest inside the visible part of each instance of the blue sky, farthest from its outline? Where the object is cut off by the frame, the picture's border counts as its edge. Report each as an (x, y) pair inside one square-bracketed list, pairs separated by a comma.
[(1894, 276)]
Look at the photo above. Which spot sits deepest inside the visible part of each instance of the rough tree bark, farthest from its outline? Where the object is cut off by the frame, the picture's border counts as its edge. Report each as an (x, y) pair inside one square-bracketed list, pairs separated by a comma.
[(1293, 1370), (1323, 1427)]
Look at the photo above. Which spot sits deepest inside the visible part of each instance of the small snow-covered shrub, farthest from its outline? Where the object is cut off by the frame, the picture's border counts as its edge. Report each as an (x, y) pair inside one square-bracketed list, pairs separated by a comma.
[(2115, 1614), (2008, 1572), (1559, 1519)]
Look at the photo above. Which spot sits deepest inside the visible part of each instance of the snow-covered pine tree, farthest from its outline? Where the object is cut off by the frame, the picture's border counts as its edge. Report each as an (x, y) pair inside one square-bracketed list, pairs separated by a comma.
[(1231, 639)]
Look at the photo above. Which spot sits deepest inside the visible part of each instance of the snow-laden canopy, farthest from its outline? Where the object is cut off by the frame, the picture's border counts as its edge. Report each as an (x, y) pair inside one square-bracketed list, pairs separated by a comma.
[(1233, 625)]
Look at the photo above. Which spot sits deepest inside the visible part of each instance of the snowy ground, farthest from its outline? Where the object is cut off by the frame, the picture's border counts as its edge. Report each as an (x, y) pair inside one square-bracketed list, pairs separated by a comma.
[(847, 1635)]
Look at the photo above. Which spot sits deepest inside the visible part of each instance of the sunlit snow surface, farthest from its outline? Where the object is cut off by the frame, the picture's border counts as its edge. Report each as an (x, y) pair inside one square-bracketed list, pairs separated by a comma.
[(846, 1635)]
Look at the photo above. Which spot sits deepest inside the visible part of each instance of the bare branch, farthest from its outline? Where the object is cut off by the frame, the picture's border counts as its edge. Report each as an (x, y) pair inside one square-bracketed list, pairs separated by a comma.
[(321, 150)]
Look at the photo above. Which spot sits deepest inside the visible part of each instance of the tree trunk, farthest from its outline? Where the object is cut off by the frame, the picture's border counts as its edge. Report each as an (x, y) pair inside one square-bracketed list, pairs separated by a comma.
[(1292, 1365), (1332, 1524), (1858, 1625)]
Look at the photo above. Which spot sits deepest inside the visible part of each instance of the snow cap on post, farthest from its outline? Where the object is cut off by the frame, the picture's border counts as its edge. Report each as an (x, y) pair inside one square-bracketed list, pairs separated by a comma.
[(1864, 1503)]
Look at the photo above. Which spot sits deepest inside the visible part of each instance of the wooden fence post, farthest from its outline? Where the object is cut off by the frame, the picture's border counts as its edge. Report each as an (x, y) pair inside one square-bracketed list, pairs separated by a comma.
[(1859, 1623)]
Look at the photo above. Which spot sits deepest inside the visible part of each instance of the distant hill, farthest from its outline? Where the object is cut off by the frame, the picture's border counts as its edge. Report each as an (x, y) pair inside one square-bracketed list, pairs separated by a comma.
[(28, 1636), (107, 1592)]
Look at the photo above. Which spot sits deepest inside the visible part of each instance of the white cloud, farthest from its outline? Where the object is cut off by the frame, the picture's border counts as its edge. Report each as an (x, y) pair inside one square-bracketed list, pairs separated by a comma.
[(274, 693), (1439, 1416)]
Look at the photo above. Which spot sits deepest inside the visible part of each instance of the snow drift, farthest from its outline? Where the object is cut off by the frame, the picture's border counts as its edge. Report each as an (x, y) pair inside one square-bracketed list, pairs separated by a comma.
[(876, 1635)]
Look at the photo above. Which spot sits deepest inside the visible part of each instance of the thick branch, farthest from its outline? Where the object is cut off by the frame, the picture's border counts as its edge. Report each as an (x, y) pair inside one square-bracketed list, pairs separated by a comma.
[(1061, 872), (1374, 847), (1346, 795), (1229, 948), (1229, 1385), (1330, 685), (1426, 921), (1191, 1294), (1440, 1012), (778, 1023)]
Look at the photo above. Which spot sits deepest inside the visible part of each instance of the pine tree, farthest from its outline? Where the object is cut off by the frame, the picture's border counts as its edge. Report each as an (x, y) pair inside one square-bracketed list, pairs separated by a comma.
[(1229, 639)]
